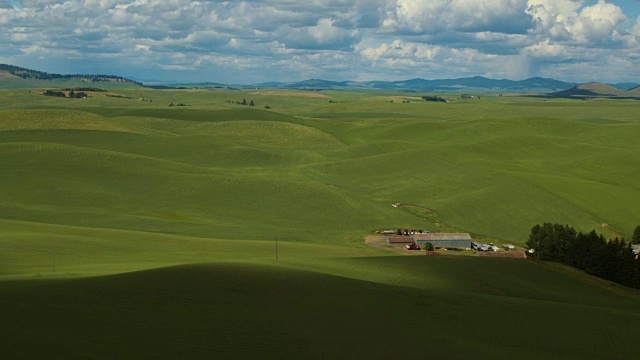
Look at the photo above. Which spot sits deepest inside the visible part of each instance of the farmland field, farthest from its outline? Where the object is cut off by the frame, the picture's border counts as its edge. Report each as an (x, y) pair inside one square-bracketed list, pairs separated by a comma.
[(134, 229)]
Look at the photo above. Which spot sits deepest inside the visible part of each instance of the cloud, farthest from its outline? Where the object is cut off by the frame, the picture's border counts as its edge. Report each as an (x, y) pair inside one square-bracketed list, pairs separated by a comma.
[(432, 16), (422, 60), (335, 39), (564, 21), (323, 35)]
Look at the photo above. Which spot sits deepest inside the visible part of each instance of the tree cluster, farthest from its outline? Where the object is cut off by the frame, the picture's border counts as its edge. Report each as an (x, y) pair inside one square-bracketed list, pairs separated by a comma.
[(434, 98), (93, 89), (635, 238), (243, 102), (612, 260), (77, 95), (72, 94), (54, 93)]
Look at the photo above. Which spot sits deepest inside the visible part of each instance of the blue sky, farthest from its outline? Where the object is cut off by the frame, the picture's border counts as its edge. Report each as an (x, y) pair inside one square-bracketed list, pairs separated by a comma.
[(631, 7), (243, 42)]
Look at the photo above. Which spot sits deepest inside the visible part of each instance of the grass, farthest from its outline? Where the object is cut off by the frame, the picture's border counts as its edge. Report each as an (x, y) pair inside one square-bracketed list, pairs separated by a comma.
[(232, 299), (493, 167), (487, 167), (161, 223)]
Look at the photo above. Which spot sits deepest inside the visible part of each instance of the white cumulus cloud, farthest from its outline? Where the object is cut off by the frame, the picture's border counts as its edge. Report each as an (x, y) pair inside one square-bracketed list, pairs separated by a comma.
[(336, 39)]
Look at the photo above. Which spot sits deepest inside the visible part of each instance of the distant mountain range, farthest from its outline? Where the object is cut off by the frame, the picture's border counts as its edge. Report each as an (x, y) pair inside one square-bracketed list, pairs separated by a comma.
[(476, 83), (536, 85), (14, 76)]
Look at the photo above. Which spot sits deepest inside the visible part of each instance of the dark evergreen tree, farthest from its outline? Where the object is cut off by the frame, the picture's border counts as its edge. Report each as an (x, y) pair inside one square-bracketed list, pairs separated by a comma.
[(612, 260), (432, 98), (551, 241), (635, 238)]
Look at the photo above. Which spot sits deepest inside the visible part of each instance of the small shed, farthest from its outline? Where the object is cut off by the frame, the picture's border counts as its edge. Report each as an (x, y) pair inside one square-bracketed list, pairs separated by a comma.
[(445, 240), (400, 241)]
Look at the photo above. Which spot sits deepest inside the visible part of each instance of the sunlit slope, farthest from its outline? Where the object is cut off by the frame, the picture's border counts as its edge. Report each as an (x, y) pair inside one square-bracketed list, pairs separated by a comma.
[(242, 179), (325, 170), (83, 186), (235, 310), (35, 249), (498, 175)]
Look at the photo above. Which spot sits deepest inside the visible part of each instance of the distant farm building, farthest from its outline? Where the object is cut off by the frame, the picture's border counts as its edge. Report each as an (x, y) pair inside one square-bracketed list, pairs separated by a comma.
[(400, 241), (444, 240)]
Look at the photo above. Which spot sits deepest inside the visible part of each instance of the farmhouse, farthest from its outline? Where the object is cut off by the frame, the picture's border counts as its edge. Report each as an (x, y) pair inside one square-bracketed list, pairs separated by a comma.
[(445, 240), (399, 241)]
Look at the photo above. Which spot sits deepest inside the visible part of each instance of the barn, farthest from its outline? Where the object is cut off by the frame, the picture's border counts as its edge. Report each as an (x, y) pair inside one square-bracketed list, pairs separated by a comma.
[(445, 240), (399, 241)]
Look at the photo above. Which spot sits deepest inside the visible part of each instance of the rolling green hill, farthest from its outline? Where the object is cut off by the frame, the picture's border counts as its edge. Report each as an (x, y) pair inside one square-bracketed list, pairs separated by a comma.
[(231, 299), (594, 90), (316, 169), (132, 229)]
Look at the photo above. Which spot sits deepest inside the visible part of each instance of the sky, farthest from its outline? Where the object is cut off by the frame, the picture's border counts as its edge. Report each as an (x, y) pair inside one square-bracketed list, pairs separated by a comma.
[(255, 41)]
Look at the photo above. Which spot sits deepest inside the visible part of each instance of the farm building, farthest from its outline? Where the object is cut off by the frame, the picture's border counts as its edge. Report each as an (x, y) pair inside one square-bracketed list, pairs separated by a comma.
[(399, 241), (446, 240)]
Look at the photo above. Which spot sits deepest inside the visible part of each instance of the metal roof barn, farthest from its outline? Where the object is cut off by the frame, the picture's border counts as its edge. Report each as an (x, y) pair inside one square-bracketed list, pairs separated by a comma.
[(446, 240), (399, 241)]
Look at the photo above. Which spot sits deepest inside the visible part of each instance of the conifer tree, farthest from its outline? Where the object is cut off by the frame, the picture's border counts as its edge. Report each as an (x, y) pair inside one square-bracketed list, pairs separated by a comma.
[(635, 238)]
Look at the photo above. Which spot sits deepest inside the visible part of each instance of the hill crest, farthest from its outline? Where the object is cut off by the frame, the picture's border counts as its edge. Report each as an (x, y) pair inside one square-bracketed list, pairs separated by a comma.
[(18, 75), (595, 89)]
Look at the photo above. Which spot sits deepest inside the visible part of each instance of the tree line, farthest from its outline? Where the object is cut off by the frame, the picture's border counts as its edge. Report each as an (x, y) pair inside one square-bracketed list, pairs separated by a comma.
[(243, 102), (608, 259), (72, 94), (434, 98), (41, 75), (93, 89)]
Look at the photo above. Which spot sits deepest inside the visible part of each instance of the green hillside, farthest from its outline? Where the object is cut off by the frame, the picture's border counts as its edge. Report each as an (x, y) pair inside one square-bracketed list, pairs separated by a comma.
[(232, 299), (242, 311), (134, 229), (315, 169)]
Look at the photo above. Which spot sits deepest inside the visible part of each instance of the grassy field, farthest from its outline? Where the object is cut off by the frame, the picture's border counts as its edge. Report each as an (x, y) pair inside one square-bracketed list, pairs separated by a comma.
[(132, 229)]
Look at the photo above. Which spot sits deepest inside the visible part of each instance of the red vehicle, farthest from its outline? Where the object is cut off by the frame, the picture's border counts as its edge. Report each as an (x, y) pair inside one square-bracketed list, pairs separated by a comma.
[(413, 246)]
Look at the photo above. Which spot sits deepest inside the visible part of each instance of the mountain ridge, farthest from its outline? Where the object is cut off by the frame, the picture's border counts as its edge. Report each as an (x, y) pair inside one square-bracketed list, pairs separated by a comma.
[(15, 76), (474, 83)]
